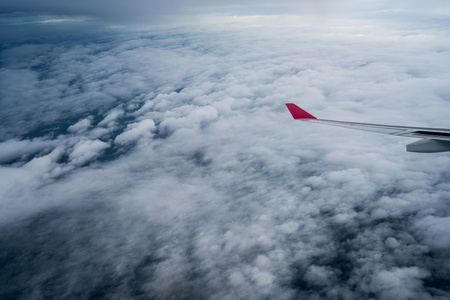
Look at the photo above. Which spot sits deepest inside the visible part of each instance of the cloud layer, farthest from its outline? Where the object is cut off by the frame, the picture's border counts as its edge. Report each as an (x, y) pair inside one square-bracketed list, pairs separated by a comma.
[(151, 11), (163, 164)]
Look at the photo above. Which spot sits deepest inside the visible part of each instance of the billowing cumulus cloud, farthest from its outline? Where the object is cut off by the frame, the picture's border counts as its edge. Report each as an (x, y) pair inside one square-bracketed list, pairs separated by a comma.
[(136, 131), (163, 163), (86, 151)]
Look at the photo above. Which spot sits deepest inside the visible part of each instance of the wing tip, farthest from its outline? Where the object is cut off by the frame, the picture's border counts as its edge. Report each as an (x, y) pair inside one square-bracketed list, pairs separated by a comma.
[(298, 113)]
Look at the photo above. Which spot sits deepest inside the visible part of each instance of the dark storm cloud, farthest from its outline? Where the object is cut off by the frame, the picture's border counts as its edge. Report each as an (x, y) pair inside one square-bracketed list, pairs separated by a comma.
[(163, 164)]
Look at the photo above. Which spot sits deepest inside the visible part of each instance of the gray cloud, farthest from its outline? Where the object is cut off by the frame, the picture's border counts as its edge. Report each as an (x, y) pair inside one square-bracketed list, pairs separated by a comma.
[(163, 164)]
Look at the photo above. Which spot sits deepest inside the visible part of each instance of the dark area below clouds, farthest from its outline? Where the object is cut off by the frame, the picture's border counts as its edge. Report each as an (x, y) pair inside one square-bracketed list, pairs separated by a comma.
[(163, 164)]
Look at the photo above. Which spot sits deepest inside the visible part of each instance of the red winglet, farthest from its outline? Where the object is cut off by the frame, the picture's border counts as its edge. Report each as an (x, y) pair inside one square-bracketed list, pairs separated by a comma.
[(298, 113)]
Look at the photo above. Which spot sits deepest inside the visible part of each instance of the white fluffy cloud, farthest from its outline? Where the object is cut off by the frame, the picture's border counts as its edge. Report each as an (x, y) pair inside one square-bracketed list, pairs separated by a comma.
[(81, 126), (400, 283), (85, 151), (203, 185), (135, 131), (15, 149)]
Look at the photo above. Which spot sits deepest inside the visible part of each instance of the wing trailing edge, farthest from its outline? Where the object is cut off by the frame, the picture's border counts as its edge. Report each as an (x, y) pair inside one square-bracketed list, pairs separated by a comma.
[(433, 139)]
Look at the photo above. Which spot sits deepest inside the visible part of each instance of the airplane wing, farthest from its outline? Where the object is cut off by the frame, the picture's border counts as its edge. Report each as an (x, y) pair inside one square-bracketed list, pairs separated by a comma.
[(432, 139)]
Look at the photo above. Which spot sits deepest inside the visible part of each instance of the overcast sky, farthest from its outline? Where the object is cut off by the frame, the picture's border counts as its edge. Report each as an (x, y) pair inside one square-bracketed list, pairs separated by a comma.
[(151, 11), (162, 163)]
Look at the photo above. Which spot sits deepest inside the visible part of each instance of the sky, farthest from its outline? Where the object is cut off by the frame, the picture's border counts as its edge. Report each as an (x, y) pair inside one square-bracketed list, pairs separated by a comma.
[(157, 160)]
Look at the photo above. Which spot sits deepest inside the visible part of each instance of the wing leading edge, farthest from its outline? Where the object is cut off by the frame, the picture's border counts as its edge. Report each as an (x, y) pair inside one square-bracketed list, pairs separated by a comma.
[(432, 139)]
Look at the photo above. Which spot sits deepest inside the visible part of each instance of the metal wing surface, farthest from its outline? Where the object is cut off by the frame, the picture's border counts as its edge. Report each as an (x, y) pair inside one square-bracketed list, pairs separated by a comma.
[(432, 139)]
